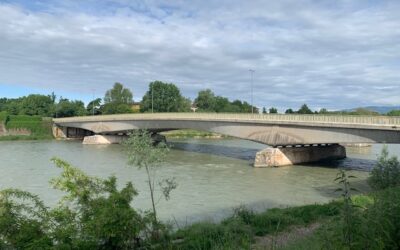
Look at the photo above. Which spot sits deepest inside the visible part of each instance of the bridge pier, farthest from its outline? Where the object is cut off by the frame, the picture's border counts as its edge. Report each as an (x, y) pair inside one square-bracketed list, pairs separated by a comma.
[(103, 139), (275, 157), (116, 139)]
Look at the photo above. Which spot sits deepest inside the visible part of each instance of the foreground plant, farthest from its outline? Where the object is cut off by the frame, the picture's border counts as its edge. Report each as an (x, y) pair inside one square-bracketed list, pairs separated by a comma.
[(386, 172), (144, 153), (93, 214)]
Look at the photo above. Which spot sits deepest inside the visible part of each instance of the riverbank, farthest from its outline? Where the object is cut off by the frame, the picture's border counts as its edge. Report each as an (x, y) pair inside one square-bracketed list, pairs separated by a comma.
[(367, 221), (23, 127)]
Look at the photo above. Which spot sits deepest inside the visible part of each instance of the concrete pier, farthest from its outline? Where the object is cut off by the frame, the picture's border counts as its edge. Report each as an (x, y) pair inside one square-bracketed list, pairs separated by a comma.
[(103, 139), (116, 139), (275, 157)]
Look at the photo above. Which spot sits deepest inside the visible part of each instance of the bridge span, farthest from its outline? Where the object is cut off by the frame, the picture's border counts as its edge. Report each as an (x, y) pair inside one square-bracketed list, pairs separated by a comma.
[(294, 138)]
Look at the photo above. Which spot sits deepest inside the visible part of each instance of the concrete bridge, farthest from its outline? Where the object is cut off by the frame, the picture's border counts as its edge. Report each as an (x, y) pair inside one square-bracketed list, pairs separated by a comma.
[(294, 138)]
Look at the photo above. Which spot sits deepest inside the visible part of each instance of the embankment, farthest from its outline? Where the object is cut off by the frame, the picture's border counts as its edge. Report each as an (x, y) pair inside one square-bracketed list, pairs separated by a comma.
[(23, 127)]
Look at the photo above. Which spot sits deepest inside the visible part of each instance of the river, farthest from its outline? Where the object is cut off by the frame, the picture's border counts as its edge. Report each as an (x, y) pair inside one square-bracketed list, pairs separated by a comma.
[(214, 175)]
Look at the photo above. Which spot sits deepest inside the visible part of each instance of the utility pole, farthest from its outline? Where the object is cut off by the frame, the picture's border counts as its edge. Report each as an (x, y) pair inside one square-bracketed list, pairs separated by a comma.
[(251, 76), (93, 102), (152, 98)]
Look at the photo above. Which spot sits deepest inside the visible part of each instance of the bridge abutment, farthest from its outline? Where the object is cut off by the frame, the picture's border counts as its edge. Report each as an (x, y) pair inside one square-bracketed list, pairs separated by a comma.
[(275, 157)]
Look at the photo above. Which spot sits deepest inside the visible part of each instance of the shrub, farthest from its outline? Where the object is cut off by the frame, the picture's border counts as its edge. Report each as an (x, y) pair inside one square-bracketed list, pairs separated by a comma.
[(386, 172), (93, 214)]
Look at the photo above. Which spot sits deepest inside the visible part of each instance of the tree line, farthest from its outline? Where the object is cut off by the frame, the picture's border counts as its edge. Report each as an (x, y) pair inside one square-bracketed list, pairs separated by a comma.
[(160, 97)]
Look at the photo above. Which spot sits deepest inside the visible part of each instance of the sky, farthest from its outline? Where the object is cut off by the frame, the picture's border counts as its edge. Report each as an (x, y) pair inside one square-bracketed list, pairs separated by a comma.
[(328, 54)]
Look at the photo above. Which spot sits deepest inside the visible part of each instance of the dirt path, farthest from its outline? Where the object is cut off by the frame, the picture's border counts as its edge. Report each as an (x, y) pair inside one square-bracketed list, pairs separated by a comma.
[(282, 239)]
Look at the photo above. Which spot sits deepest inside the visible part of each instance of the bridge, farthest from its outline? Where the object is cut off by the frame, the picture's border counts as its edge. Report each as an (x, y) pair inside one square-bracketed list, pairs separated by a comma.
[(294, 138)]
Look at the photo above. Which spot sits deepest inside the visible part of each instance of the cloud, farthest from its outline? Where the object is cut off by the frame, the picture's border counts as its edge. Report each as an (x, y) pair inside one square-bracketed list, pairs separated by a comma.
[(328, 54)]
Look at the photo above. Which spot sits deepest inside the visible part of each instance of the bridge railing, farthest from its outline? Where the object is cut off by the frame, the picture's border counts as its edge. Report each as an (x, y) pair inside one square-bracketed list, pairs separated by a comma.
[(348, 119)]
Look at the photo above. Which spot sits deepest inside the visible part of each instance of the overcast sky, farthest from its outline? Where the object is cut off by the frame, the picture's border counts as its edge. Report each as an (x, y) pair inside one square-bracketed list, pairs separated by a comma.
[(332, 54)]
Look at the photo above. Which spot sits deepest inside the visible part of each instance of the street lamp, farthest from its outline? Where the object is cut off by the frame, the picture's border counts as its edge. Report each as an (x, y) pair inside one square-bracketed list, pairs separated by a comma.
[(251, 76), (93, 102), (152, 98)]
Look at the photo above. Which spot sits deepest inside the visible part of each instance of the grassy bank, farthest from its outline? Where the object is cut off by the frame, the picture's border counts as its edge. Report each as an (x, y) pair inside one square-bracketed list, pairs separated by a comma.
[(241, 230), (23, 127), (246, 229), (191, 133)]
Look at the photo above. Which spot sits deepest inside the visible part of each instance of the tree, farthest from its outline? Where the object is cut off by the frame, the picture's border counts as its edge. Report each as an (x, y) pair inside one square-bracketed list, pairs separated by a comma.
[(118, 95), (163, 97), (205, 100), (94, 106), (143, 153), (386, 172), (289, 111), (222, 105), (117, 100), (41, 105), (394, 113), (116, 108), (304, 110), (264, 110), (67, 108), (273, 110), (323, 111), (185, 106)]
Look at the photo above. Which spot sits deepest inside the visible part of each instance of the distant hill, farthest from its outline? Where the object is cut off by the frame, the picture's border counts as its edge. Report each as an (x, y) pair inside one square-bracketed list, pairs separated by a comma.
[(379, 109)]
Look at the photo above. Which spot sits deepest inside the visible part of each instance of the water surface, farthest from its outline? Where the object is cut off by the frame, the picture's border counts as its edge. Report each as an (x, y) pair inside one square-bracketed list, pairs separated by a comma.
[(213, 176)]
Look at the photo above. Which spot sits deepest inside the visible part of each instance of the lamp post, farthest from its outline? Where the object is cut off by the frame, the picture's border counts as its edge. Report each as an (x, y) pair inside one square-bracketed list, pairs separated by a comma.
[(152, 98), (251, 76), (93, 102)]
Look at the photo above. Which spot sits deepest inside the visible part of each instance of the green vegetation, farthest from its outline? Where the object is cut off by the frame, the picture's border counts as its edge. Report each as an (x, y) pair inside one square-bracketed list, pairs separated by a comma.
[(207, 101), (273, 110), (24, 127), (144, 153), (394, 113), (386, 173), (164, 97), (67, 108), (117, 100), (368, 222)]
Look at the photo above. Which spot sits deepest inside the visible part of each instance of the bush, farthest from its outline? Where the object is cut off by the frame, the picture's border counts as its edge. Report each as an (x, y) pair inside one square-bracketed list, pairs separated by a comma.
[(386, 172), (93, 215)]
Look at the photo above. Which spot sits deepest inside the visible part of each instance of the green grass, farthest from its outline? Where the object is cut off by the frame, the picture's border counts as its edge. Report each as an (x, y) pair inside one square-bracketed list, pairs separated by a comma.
[(3, 117), (39, 127), (311, 242), (239, 230)]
